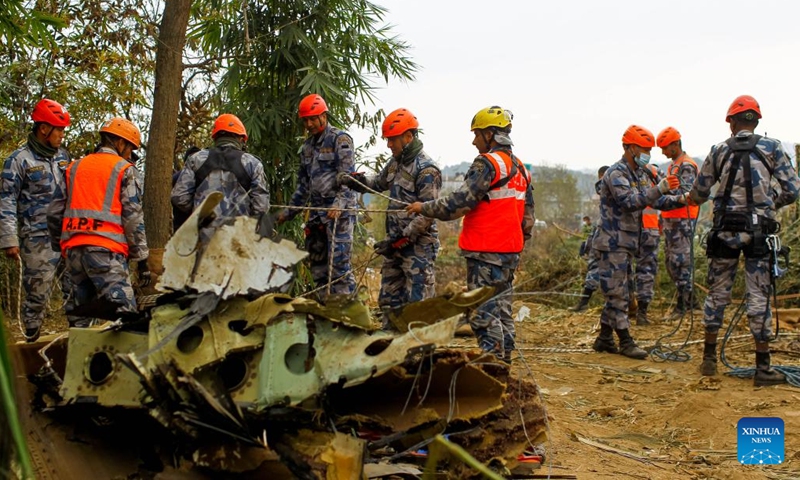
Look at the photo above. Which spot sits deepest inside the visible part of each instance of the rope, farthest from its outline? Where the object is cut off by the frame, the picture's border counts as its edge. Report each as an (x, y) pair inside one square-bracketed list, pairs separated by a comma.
[(330, 255), (336, 209)]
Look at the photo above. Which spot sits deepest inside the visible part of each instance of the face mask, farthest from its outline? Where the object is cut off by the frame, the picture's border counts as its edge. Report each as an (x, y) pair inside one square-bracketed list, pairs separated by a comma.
[(642, 159)]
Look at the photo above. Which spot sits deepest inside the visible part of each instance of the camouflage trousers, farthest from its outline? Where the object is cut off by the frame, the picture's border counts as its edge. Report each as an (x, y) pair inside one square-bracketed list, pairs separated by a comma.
[(492, 322), (99, 275), (614, 270), (319, 253), (407, 276), (40, 266), (647, 265), (721, 274), (678, 251), (592, 281)]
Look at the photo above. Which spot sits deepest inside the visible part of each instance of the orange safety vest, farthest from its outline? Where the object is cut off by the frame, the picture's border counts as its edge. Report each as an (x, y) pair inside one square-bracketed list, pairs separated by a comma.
[(495, 225), (650, 214), (681, 212), (94, 212)]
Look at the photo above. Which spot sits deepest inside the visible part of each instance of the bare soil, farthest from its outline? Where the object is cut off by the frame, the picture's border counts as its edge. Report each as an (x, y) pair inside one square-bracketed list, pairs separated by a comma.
[(615, 417)]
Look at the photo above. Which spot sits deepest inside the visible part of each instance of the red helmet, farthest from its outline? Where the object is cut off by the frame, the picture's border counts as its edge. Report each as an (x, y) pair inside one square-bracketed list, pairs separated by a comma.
[(228, 122), (743, 103), (50, 112), (668, 136), (637, 135), (398, 122), (311, 106)]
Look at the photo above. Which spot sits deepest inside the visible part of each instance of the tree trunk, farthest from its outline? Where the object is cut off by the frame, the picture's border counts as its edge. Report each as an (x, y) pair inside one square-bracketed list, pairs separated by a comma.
[(164, 124)]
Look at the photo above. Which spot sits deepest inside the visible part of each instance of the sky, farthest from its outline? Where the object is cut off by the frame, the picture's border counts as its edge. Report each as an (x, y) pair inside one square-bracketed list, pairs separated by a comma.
[(577, 73)]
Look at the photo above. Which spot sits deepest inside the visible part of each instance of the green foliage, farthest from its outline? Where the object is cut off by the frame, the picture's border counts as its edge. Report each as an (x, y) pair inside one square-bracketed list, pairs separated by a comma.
[(275, 52), (100, 64)]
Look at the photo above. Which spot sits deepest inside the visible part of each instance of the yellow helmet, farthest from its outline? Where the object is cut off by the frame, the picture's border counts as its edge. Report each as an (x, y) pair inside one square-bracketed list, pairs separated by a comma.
[(491, 117)]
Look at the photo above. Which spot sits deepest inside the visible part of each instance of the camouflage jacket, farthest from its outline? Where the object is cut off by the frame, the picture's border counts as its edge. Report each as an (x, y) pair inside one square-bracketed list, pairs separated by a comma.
[(766, 199), (474, 189), (26, 189), (188, 195), (132, 215), (322, 157), (624, 193), (414, 180)]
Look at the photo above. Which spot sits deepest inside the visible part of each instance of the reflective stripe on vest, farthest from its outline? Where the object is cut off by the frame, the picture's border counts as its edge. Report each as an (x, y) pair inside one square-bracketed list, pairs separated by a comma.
[(495, 224), (650, 218), (681, 212), (94, 212)]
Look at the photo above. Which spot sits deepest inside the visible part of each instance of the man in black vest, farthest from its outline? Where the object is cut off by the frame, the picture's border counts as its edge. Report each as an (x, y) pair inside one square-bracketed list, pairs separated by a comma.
[(747, 167), (223, 168)]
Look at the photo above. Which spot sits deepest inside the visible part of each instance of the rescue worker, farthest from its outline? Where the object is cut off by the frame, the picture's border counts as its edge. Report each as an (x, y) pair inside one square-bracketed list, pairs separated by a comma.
[(592, 281), (98, 217), (326, 153), (646, 258), (678, 224), (624, 193), (412, 240), (178, 216), (225, 168), (31, 175), (496, 201), (745, 206)]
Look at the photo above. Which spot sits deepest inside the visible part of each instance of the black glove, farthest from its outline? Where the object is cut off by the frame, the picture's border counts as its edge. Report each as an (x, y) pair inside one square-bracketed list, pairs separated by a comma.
[(384, 247), (143, 275), (316, 242), (354, 181), (266, 225)]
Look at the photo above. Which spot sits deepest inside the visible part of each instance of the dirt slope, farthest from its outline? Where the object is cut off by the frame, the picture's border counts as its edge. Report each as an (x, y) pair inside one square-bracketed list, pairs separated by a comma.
[(673, 422)]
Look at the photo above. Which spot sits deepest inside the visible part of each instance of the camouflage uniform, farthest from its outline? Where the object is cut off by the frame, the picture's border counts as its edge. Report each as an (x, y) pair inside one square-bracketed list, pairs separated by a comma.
[(678, 238), (492, 322), (647, 253), (322, 157), (96, 272), (624, 193), (407, 275), (187, 194), (592, 281), (766, 200), (28, 183)]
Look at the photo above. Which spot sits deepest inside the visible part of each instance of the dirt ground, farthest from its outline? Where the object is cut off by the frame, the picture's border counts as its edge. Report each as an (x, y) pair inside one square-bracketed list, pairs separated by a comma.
[(615, 417)]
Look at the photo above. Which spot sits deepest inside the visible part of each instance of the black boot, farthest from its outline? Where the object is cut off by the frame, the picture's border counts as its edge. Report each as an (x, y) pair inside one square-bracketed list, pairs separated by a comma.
[(709, 366), (584, 303), (509, 345), (641, 314), (605, 341), (765, 376), (628, 347)]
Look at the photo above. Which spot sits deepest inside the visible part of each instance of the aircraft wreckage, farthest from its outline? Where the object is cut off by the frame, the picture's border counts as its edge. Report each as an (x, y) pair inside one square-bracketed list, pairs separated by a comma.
[(224, 378)]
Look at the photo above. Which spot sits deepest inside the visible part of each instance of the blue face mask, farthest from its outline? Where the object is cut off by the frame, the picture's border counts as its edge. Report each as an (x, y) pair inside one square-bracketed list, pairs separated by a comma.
[(642, 159)]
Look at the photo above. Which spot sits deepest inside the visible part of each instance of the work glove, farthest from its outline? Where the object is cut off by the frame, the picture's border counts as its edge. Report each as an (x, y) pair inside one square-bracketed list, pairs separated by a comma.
[(670, 182), (384, 247), (353, 181), (400, 243), (143, 273)]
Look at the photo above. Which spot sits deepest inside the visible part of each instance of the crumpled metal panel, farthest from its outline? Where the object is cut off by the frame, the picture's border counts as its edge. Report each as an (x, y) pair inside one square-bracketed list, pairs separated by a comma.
[(95, 375), (295, 366), (208, 342), (236, 261), (443, 306), (339, 308)]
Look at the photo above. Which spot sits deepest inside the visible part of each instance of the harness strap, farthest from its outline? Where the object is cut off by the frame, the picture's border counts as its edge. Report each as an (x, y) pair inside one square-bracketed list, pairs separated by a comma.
[(226, 159)]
